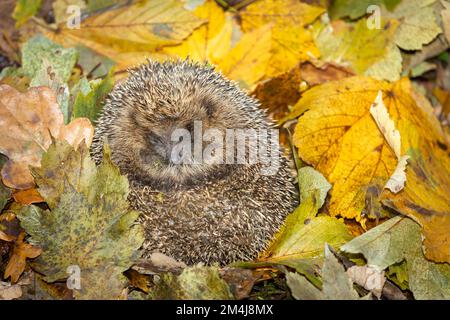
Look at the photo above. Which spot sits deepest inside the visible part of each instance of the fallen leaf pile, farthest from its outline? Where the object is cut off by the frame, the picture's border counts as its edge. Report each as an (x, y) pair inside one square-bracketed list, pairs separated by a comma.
[(361, 92)]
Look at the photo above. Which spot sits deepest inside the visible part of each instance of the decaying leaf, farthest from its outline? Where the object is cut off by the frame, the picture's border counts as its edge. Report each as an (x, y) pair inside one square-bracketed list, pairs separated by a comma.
[(10, 291), (89, 99), (378, 111), (194, 283), (28, 123), (9, 225), (17, 262), (336, 283), (418, 25), (28, 196), (5, 192), (368, 278), (247, 61), (39, 49), (90, 225), (397, 240)]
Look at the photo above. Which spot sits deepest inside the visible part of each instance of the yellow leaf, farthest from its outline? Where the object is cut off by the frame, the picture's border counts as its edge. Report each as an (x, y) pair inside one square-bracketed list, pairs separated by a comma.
[(290, 45), (246, 63), (340, 138), (291, 42), (366, 51), (139, 28), (281, 13), (209, 42)]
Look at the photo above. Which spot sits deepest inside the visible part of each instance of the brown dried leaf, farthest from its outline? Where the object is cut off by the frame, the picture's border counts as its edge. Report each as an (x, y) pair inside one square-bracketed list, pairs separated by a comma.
[(28, 196), (17, 262), (28, 123)]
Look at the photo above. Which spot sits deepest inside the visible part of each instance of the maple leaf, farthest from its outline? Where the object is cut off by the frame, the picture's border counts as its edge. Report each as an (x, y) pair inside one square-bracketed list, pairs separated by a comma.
[(29, 121), (90, 224)]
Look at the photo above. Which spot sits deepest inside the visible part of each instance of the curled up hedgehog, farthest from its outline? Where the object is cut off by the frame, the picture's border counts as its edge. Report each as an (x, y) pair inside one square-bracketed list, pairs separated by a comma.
[(195, 208)]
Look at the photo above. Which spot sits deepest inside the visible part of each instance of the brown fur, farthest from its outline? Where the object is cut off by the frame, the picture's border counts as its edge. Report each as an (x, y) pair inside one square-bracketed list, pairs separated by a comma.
[(195, 213)]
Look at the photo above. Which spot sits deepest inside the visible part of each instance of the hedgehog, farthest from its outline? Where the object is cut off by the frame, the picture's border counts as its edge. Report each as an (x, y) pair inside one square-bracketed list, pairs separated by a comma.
[(194, 211)]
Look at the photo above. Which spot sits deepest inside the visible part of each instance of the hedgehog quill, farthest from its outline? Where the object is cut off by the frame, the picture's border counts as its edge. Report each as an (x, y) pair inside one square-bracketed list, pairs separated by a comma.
[(196, 206)]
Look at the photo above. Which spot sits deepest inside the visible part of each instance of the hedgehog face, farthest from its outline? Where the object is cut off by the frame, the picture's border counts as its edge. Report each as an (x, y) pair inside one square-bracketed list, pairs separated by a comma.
[(158, 102), (168, 138)]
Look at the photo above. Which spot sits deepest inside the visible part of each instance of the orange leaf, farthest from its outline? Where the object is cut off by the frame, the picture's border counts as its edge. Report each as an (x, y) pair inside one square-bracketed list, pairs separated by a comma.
[(28, 196), (17, 262)]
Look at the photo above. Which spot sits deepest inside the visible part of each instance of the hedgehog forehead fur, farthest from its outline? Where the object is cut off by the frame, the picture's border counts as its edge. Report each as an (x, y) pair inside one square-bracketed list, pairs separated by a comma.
[(158, 98)]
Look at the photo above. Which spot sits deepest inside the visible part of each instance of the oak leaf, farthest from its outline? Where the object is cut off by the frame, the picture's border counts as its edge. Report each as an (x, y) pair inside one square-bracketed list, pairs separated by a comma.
[(17, 262), (28, 123)]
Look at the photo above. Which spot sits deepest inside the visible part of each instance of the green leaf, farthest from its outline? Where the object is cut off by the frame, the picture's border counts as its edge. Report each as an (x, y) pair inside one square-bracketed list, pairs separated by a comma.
[(397, 240), (47, 76), (366, 51), (310, 180), (398, 273), (336, 283), (24, 10), (357, 8), (299, 243), (90, 97), (90, 224), (39, 49), (418, 24), (194, 283), (93, 63)]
